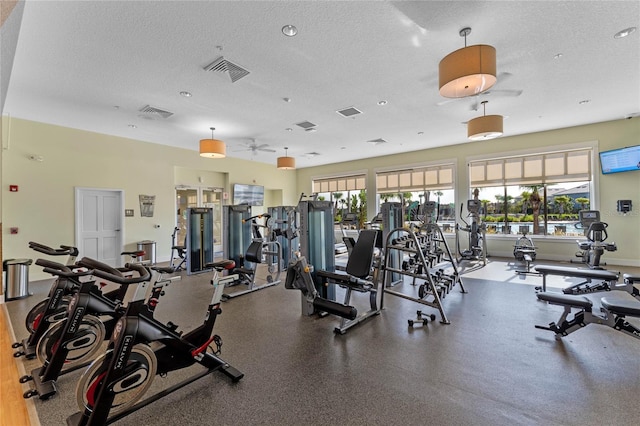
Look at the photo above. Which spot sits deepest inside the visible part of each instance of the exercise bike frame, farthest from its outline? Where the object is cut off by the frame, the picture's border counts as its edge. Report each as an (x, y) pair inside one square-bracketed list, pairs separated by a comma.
[(177, 351), (88, 301)]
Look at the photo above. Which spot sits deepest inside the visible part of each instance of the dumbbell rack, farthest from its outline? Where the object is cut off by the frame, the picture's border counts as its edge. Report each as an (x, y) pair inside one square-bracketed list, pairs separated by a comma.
[(429, 260)]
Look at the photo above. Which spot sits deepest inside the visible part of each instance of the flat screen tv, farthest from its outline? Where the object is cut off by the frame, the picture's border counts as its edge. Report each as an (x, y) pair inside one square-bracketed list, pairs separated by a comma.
[(252, 195), (620, 160)]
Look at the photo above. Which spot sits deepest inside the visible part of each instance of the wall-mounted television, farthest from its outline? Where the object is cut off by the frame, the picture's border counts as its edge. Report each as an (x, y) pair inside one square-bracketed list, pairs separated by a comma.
[(252, 195), (620, 160)]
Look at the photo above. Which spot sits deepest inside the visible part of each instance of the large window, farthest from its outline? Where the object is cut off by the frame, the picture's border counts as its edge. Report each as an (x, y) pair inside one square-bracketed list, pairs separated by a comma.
[(348, 194), (541, 192), (414, 186)]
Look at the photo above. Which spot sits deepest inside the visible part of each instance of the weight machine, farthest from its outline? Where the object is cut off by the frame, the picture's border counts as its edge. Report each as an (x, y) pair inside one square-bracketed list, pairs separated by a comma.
[(287, 231), (259, 250), (317, 242), (199, 244)]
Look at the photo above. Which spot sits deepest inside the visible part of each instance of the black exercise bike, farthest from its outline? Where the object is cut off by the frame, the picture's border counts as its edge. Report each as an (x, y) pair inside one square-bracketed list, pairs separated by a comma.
[(140, 348), (75, 340)]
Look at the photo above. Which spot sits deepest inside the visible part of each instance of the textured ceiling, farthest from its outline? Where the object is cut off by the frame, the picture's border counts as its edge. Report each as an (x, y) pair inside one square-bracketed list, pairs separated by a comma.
[(93, 65)]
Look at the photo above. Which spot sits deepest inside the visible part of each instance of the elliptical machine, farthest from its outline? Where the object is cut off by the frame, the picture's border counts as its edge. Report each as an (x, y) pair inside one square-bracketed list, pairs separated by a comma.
[(594, 247), (140, 348), (476, 230)]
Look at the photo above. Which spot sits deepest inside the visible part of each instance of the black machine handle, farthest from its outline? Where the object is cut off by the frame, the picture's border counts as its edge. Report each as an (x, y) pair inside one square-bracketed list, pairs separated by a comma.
[(144, 273), (89, 263), (52, 265), (335, 308), (62, 251)]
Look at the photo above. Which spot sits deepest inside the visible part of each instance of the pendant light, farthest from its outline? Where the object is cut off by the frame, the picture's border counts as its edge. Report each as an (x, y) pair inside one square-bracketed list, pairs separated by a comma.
[(467, 71), (484, 127), (212, 148), (286, 162)]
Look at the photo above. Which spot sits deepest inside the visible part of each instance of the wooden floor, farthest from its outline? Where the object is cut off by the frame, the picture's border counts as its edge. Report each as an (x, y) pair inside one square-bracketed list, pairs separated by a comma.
[(13, 408)]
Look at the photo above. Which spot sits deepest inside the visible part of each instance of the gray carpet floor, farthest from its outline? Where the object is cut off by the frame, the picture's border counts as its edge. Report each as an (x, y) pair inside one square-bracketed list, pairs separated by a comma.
[(490, 366)]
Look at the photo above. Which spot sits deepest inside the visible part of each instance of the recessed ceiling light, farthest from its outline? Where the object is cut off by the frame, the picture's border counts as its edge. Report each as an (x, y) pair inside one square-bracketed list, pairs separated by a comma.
[(133, 126), (289, 129), (624, 33), (381, 103), (421, 133), (557, 56), (286, 99), (289, 30), (186, 94), (585, 101)]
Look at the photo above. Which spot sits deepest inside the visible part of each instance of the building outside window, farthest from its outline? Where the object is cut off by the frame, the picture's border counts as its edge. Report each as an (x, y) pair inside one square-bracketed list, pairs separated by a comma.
[(414, 186), (543, 192)]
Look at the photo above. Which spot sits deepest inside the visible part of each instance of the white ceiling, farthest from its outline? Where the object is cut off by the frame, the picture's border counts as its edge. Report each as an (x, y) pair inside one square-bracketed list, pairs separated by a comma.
[(93, 65)]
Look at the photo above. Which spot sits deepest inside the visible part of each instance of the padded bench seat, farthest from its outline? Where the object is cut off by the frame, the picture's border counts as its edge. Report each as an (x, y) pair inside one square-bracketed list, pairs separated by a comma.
[(346, 280), (563, 299), (590, 274), (631, 279), (621, 306)]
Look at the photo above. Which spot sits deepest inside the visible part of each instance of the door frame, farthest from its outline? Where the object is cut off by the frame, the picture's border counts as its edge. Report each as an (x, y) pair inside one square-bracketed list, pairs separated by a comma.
[(78, 190)]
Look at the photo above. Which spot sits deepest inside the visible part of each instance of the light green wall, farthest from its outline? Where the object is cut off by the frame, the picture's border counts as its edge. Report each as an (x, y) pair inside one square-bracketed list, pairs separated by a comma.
[(624, 230), (43, 208)]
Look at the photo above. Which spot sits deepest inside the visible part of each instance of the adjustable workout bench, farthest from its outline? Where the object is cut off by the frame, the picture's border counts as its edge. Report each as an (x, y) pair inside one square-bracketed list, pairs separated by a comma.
[(615, 311), (607, 280), (358, 277)]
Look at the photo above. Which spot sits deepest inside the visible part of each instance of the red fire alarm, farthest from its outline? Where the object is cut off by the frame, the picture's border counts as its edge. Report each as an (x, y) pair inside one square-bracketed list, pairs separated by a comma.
[(13, 188)]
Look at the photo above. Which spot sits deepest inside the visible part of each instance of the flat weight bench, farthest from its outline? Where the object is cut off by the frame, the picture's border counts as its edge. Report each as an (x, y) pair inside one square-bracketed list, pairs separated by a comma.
[(607, 279), (615, 311)]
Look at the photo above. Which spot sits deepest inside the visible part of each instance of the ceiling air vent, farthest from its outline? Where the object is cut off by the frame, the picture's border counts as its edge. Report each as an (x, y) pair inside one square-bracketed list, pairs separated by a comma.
[(349, 112), (377, 141), (221, 65), (152, 112), (306, 125)]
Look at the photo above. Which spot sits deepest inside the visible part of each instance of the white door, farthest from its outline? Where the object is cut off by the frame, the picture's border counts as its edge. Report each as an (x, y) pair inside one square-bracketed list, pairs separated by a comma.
[(99, 224)]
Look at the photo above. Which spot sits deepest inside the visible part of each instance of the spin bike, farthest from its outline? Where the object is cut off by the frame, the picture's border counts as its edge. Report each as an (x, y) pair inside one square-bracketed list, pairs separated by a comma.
[(53, 308), (73, 342), (140, 348), (476, 231)]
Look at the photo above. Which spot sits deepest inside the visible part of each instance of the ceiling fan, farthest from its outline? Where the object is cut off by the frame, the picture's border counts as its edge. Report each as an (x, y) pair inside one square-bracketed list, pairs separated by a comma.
[(253, 147)]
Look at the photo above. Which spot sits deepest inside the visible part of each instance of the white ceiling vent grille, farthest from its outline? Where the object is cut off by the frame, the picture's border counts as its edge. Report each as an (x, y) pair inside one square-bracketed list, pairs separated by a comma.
[(349, 112), (377, 141), (152, 112), (221, 65), (306, 125)]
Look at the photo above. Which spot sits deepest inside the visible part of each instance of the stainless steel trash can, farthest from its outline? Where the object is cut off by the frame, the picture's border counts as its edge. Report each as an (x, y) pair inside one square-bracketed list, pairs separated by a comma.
[(149, 248), (17, 278)]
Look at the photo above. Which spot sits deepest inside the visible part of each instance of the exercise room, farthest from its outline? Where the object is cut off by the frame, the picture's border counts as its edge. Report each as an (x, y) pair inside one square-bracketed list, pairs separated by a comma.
[(325, 213)]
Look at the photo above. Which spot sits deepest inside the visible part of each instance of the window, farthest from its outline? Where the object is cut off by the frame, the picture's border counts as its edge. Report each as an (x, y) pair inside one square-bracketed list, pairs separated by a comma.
[(412, 187), (542, 191), (346, 192)]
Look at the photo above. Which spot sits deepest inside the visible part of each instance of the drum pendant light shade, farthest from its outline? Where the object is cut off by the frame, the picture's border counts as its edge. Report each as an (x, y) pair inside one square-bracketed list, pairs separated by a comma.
[(286, 163), (485, 127), (468, 71), (212, 148)]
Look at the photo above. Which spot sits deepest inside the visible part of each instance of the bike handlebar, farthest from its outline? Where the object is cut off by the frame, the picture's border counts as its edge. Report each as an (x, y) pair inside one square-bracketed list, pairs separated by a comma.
[(62, 251), (144, 273)]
